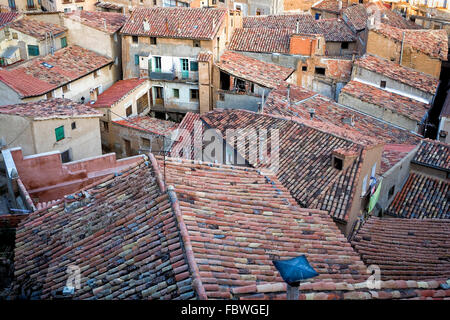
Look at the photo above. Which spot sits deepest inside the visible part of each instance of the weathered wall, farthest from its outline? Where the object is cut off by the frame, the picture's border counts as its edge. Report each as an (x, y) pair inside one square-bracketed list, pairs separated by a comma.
[(390, 49), (335, 49), (444, 125), (17, 132), (238, 101), (83, 141), (295, 5), (379, 112), (8, 95)]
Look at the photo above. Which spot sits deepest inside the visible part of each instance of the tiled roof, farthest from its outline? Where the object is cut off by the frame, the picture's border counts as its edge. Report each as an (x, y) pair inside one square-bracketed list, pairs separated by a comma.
[(387, 16), (7, 17), (267, 40), (33, 78), (406, 249), (422, 197), (304, 159), (204, 56), (109, 22), (391, 289), (122, 233), (306, 22), (393, 154), (239, 219), (262, 73), (134, 239), (433, 153), (335, 30), (149, 124), (330, 6), (116, 92), (54, 108), (36, 29), (176, 22), (431, 42), (328, 111), (184, 145), (109, 5), (410, 77), (356, 16), (396, 103)]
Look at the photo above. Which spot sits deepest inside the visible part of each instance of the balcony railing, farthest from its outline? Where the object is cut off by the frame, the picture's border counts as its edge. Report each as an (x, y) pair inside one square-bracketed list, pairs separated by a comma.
[(175, 75)]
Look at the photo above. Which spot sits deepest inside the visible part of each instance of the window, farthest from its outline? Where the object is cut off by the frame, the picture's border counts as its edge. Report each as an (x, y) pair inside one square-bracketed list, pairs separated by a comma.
[(152, 40), (337, 163), (320, 71), (304, 68), (12, 4), (49, 95), (63, 42), (33, 50), (105, 126), (317, 16), (391, 192), (344, 45), (196, 43), (157, 64), (15, 36), (59, 133), (194, 66), (67, 10), (154, 2), (65, 88), (80, 8), (136, 60), (383, 84), (221, 97), (74, 125), (65, 156), (30, 4), (176, 93), (135, 39), (96, 73), (145, 144), (194, 94), (129, 111)]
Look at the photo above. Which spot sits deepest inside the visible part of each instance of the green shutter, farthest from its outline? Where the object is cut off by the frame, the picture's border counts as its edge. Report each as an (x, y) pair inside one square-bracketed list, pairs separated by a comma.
[(194, 66), (63, 42), (33, 50), (136, 59), (59, 133)]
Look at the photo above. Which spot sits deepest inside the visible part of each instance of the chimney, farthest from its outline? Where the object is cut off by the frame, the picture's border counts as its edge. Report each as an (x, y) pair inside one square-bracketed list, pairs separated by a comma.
[(167, 25), (146, 25), (311, 111), (104, 23), (298, 26), (289, 94)]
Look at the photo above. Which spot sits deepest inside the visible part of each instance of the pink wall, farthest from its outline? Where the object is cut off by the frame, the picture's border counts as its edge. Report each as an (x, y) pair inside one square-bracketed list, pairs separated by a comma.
[(47, 178)]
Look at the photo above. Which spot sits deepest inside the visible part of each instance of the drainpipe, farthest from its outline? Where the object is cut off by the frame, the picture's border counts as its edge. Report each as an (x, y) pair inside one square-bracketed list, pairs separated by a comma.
[(401, 50)]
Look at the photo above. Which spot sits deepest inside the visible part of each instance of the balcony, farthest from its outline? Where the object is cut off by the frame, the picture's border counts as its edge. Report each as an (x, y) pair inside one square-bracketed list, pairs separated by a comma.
[(175, 76)]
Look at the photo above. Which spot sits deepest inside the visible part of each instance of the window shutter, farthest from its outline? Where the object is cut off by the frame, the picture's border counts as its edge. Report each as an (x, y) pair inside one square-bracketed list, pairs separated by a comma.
[(59, 133), (136, 59), (33, 50), (63, 42), (194, 66)]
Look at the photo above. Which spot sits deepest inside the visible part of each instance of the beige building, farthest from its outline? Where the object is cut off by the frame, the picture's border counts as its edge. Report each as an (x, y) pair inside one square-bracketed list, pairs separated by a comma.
[(123, 99), (21, 5), (50, 125), (175, 49), (103, 30), (68, 5), (72, 72)]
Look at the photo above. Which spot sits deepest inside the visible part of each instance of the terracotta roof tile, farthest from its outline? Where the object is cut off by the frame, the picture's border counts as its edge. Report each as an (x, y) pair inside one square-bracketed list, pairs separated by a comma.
[(431, 42), (308, 175), (330, 6), (387, 16), (306, 22), (267, 40), (149, 124), (184, 146), (410, 77), (406, 249), (99, 20), (176, 22), (335, 30), (204, 56), (356, 16), (117, 92), (422, 197), (55, 108), (109, 5), (67, 65), (36, 29), (7, 17), (402, 105), (433, 153), (265, 74), (328, 111), (392, 154)]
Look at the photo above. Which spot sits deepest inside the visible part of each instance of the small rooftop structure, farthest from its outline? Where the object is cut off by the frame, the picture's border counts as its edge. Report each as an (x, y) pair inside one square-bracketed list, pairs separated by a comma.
[(149, 124), (36, 29), (118, 91)]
